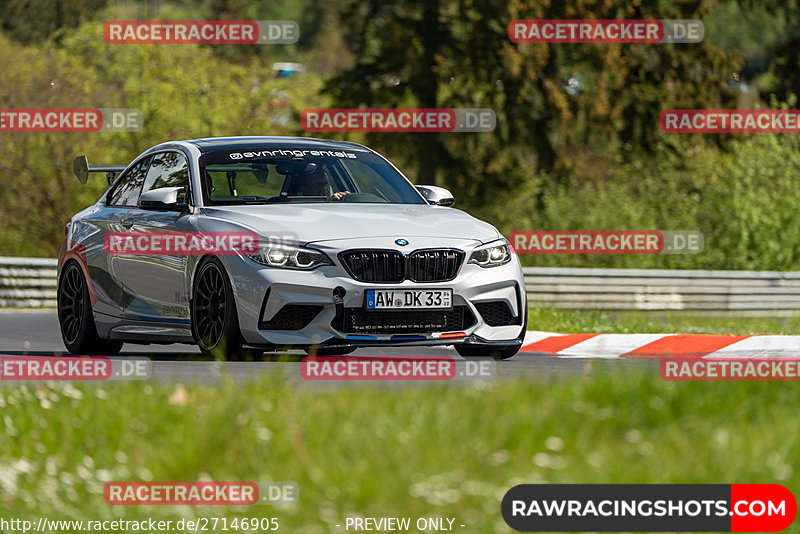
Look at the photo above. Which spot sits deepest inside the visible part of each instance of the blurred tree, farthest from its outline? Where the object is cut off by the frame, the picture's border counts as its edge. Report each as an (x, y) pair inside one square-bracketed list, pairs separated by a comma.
[(752, 30), (236, 10), (322, 44), (178, 88), (34, 21), (785, 79), (397, 49), (296, 10), (456, 53)]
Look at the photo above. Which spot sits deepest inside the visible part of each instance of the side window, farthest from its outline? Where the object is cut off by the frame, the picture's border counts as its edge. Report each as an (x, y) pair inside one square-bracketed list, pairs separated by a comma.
[(127, 191), (169, 169)]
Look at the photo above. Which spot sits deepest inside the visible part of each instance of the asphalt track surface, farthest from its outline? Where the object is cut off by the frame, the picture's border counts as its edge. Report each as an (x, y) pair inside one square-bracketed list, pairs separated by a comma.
[(37, 333)]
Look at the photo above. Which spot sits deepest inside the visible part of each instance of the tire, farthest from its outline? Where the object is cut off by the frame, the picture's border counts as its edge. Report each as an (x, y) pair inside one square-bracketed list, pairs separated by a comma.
[(482, 351), (330, 351), (215, 323), (75, 317)]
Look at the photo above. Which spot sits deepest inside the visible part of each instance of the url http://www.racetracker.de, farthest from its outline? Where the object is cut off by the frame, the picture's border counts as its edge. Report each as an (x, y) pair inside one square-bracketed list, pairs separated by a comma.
[(46, 525)]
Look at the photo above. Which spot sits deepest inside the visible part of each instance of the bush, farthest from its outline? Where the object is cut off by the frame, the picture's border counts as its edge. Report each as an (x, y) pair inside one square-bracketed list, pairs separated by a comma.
[(743, 200)]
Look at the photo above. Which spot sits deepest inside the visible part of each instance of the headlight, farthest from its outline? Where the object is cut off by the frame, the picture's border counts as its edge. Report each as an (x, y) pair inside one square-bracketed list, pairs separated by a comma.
[(290, 258), (491, 256)]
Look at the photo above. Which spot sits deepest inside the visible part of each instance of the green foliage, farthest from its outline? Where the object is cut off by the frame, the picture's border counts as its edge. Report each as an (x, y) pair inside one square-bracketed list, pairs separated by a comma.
[(753, 30), (456, 53), (744, 201), (36, 21), (180, 96), (446, 450), (591, 160)]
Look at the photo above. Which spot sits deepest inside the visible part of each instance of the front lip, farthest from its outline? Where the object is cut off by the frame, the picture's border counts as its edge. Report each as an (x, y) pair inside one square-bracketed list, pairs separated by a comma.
[(471, 339)]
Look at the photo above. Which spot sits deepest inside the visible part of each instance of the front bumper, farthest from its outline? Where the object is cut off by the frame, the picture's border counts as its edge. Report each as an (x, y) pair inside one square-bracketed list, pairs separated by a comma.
[(262, 292)]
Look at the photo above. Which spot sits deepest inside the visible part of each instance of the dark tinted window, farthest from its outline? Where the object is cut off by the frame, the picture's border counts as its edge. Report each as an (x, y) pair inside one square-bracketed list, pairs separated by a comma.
[(127, 191), (276, 175), (169, 169)]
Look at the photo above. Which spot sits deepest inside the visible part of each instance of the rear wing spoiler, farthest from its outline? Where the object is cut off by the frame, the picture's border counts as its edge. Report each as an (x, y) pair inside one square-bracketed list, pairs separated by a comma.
[(82, 169)]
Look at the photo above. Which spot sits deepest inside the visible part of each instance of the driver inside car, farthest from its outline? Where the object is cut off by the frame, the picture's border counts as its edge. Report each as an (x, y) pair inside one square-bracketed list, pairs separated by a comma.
[(317, 184)]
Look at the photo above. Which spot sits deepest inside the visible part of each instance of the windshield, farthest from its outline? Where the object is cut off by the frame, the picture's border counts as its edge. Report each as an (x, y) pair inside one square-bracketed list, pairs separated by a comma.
[(302, 176)]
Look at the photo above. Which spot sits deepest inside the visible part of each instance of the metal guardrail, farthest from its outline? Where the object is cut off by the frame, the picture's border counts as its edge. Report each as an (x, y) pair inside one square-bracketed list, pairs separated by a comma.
[(27, 282), (31, 283), (745, 292)]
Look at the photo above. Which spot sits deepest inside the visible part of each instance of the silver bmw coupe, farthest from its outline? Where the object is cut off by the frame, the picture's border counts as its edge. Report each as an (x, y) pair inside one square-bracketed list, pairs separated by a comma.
[(343, 252)]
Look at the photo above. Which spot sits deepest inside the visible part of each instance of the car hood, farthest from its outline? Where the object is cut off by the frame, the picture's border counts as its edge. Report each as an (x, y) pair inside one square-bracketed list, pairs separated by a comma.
[(322, 222)]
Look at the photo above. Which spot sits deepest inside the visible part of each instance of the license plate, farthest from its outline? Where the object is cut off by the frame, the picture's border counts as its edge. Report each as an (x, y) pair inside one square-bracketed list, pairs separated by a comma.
[(409, 299)]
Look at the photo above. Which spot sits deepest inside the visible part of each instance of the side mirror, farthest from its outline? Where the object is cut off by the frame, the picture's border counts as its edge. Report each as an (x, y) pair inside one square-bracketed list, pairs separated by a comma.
[(436, 196), (162, 199)]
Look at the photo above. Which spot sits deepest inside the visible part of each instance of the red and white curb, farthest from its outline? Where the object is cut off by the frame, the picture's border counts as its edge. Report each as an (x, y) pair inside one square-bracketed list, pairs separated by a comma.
[(660, 345)]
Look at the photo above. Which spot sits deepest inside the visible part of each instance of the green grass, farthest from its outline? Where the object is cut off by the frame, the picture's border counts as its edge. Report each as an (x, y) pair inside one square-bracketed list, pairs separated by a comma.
[(596, 321), (432, 451), (443, 451)]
